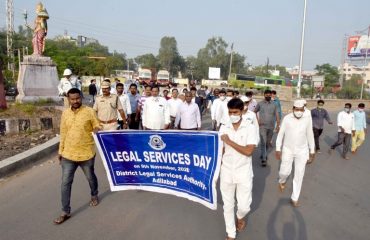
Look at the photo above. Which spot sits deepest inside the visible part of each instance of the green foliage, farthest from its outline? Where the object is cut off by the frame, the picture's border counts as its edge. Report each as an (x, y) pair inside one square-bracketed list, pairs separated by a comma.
[(330, 72), (147, 61), (27, 108), (352, 88), (169, 57)]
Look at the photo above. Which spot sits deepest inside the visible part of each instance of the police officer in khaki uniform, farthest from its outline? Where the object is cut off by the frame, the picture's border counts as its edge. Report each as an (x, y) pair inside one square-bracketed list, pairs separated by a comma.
[(106, 106)]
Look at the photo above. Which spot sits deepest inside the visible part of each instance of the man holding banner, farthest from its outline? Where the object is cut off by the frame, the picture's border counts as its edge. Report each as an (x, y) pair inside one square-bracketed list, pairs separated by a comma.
[(240, 140)]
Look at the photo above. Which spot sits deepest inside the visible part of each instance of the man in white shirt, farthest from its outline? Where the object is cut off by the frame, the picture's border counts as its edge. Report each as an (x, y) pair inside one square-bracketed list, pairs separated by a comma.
[(346, 128), (253, 102), (67, 83), (295, 143), (147, 92), (250, 116), (222, 115), (215, 105), (188, 115), (174, 104), (125, 102), (236, 176), (156, 114)]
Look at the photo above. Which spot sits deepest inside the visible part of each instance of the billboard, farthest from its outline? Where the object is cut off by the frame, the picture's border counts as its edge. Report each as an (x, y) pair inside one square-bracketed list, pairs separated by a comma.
[(358, 45), (214, 73)]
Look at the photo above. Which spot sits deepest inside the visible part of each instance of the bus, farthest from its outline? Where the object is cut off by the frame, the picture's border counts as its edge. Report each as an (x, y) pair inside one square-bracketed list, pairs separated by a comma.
[(263, 82), (241, 80), (251, 81)]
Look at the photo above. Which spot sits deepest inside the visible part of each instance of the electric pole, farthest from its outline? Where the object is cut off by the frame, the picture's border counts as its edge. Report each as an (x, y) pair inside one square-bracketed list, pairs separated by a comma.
[(231, 58), (9, 33)]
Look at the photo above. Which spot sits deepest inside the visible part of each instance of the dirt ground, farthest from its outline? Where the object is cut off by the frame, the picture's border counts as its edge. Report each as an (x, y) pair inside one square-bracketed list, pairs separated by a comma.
[(11, 145)]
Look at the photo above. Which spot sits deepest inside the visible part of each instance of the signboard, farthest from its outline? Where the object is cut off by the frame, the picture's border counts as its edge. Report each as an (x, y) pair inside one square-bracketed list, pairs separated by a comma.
[(214, 73), (358, 45), (318, 81), (182, 163)]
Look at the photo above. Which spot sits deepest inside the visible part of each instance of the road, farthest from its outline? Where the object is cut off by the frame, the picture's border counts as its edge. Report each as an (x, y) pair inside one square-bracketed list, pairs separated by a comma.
[(335, 205)]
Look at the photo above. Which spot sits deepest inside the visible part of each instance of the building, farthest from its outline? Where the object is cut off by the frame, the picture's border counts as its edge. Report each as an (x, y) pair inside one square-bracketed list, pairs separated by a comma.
[(350, 69), (83, 41), (306, 75)]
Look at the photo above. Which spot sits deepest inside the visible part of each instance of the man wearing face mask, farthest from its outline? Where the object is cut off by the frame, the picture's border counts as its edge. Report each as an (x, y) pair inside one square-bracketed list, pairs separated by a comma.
[(236, 176), (222, 115), (268, 113), (360, 127), (318, 115), (215, 105), (346, 126), (295, 143)]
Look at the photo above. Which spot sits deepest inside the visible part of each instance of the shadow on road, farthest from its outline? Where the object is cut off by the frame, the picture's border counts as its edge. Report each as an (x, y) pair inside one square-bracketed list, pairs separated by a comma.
[(86, 206), (295, 228)]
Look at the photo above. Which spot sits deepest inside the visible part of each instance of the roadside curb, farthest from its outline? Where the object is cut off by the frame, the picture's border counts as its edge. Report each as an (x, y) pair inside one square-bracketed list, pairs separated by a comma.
[(25, 159)]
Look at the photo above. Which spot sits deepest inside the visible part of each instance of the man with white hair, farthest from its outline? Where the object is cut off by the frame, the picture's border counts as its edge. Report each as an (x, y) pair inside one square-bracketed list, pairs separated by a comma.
[(295, 143), (67, 83)]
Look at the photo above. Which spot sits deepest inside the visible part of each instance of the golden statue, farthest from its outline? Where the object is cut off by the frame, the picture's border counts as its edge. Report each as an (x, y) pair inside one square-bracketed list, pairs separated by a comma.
[(40, 29)]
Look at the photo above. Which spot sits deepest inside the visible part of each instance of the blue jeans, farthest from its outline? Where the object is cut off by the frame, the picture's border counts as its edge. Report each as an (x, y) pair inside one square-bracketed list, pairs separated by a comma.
[(265, 139), (68, 171)]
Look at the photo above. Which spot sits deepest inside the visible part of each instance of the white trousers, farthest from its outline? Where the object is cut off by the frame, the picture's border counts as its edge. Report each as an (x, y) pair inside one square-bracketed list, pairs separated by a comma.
[(300, 160), (244, 199)]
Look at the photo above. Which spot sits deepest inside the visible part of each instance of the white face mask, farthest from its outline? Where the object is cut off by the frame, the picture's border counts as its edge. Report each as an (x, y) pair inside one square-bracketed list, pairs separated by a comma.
[(298, 114), (360, 110), (222, 98), (234, 119), (347, 110), (228, 98)]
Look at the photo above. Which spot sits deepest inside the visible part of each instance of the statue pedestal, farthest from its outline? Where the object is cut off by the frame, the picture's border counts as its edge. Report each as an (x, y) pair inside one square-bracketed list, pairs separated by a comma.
[(38, 79)]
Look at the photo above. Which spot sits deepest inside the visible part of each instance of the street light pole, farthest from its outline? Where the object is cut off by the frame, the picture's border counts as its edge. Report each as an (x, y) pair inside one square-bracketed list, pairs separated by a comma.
[(301, 54), (365, 62)]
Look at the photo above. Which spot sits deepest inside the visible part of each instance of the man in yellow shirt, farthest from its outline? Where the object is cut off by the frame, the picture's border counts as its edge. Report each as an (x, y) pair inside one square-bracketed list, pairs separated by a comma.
[(77, 149)]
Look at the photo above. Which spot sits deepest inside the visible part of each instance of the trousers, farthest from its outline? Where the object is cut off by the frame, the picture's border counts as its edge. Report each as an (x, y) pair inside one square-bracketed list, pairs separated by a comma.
[(299, 159), (68, 171), (265, 139), (244, 199), (345, 139), (358, 139), (317, 133)]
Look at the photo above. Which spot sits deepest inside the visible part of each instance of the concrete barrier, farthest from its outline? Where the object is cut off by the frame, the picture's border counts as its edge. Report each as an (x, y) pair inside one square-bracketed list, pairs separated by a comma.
[(25, 159)]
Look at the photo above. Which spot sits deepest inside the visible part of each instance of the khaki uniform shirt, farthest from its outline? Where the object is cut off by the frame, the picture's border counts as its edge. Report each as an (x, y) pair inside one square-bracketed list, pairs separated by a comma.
[(106, 107)]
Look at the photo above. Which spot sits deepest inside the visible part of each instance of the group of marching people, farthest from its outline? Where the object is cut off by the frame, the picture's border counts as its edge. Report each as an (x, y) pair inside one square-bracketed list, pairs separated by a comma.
[(243, 124)]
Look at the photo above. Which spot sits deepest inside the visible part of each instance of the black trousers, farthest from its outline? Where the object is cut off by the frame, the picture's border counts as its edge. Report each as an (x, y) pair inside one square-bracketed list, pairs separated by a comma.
[(317, 133), (134, 124), (345, 139)]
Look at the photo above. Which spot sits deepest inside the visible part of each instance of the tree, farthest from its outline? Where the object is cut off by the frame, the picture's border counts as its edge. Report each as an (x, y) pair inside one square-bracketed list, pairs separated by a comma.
[(351, 88), (213, 55), (168, 55), (147, 61), (330, 73)]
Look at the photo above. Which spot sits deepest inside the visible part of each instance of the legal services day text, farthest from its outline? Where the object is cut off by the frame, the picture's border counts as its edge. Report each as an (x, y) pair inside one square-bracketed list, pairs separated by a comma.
[(162, 157)]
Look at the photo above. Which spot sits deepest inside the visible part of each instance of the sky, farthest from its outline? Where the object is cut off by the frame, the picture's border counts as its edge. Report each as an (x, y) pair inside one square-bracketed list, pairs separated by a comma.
[(259, 29)]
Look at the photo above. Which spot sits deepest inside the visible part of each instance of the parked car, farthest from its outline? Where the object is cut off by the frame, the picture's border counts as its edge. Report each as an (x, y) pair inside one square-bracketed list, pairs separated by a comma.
[(11, 91)]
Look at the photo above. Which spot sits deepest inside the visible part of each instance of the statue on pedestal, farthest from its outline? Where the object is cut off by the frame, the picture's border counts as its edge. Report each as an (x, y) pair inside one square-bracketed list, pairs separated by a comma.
[(38, 76), (39, 30)]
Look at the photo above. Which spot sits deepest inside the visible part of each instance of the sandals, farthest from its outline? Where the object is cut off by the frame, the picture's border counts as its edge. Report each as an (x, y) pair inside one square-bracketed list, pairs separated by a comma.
[(61, 219), (241, 224), (94, 201)]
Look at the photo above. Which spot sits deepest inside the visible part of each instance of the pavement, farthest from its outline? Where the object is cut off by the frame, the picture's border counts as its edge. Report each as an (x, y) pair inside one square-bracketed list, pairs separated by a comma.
[(335, 205)]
